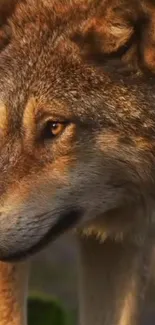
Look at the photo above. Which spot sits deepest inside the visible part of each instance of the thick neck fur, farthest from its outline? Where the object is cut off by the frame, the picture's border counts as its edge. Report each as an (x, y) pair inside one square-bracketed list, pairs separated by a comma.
[(113, 282)]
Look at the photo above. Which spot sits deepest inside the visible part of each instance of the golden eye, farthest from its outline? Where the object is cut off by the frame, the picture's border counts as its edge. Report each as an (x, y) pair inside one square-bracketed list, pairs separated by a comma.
[(53, 129), (57, 128)]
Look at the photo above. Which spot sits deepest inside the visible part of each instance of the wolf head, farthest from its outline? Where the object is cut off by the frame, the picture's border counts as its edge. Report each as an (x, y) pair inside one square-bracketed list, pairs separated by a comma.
[(77, 120)]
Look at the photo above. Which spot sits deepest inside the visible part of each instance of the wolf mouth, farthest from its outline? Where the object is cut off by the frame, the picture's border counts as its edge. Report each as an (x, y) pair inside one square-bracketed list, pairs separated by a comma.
[(64, 223)]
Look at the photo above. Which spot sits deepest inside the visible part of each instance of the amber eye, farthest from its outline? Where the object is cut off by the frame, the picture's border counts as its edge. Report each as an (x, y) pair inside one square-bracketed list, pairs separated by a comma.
[(53, 129), (56, 128)]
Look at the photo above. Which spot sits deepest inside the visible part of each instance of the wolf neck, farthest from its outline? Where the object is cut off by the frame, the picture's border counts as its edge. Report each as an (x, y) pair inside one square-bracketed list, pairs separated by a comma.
[(113, 281), (13, 293)]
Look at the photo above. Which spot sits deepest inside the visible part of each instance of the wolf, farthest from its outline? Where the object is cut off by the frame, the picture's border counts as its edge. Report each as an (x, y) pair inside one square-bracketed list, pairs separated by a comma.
[(77, 122)]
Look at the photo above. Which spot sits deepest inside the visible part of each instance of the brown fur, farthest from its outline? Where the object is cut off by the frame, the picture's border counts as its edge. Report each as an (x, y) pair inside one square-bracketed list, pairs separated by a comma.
[(90, 65), (13, 292)]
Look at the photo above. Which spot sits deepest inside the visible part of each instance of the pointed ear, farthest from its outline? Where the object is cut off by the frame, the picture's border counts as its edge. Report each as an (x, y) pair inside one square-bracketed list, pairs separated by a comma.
[(122, 29), (108, 29), (7, 8)]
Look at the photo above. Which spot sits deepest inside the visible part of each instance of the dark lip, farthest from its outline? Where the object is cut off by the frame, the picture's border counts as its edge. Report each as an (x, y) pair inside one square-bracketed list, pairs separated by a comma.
[(64, 223)]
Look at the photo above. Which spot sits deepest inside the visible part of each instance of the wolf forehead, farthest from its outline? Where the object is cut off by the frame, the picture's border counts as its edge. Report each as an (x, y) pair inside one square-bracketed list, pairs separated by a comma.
[(40, 59), (40, 62)]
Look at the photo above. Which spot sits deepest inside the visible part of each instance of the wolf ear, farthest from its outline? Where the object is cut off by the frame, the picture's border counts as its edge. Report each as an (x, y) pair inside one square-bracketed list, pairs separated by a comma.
[(7, 8), (109, 29), (124, 29)]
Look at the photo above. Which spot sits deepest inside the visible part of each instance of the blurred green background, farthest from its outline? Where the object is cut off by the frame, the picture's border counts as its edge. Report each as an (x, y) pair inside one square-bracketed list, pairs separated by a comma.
[(53, 281), (47, 311)]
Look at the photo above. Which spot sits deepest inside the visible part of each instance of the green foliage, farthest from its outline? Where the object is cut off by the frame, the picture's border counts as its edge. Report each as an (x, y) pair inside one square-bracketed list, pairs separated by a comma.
[(46, 311)]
